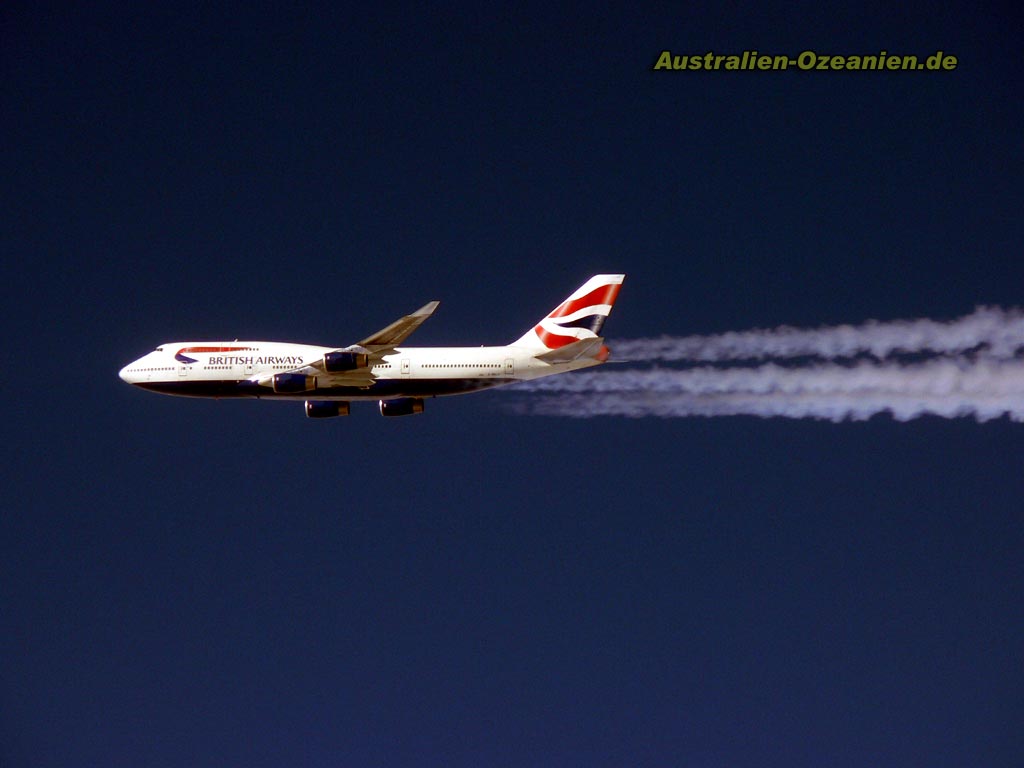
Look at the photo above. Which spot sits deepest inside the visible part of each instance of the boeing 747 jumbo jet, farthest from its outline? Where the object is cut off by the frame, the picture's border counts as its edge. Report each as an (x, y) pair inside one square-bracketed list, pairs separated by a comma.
[(377, 368)]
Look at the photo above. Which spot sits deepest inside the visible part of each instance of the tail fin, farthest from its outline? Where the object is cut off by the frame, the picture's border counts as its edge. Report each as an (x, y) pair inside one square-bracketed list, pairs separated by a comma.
[(577, 318)]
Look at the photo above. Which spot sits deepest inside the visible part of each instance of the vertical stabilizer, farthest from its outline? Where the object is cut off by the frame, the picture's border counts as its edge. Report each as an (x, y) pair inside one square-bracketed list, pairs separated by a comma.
[(578, 318)]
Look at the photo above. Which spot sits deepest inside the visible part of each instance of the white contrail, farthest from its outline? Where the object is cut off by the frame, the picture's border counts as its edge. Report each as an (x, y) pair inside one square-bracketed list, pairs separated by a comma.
[(998, 332), (984, 388), (973, 366)]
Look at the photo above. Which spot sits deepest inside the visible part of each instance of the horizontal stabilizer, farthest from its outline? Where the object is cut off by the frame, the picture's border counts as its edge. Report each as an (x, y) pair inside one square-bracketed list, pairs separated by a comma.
[(573, 351)]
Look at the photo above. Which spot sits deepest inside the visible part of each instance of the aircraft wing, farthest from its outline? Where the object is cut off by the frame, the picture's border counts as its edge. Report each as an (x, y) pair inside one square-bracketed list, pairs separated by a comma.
[(400, 330), (375, 347)]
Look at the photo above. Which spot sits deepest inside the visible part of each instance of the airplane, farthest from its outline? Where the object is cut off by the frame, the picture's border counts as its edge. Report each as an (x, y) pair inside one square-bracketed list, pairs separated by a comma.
[(400, 378)]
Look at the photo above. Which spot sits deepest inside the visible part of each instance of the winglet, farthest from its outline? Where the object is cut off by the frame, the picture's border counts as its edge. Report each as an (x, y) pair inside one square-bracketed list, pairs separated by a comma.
[(400, 330)]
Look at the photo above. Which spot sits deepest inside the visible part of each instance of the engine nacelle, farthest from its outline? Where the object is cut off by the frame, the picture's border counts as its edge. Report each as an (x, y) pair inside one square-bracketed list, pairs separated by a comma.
[(402, 406), (336, 362), (293, 382), (325, 409)]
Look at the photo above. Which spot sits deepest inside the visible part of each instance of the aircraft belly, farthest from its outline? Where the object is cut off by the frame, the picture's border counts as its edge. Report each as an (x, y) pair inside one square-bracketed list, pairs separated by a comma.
[(382, 388), (385, 388)]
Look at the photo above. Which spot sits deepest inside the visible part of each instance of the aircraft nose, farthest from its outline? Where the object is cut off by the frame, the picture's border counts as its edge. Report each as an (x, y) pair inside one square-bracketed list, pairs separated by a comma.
[(123, 373)]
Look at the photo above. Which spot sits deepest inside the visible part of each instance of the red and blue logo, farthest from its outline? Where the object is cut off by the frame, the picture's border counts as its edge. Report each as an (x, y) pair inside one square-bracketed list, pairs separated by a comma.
[(181, 357)]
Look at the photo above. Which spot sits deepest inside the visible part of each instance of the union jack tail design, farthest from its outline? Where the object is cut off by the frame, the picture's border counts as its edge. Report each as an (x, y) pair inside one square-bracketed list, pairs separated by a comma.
[(577, 318)]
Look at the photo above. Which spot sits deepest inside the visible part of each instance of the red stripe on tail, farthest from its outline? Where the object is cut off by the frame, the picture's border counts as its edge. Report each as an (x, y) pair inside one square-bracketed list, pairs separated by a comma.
[(553, 340), (606, 294)]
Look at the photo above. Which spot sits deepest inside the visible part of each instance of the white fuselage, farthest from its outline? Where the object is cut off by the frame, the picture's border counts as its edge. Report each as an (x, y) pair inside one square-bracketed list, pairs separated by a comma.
[(237, 368)]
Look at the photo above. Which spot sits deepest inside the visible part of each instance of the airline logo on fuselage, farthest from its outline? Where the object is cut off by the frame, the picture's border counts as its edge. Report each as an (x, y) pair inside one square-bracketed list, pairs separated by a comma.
[(251, 360)]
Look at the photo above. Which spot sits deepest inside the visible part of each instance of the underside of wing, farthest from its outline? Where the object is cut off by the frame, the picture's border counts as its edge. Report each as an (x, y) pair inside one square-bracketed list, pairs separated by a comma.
[(317, 376)]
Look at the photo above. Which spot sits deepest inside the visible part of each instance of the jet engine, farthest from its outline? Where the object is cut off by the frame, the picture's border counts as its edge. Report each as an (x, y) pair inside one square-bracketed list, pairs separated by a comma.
[(293, 382), (337, 362), (402, 406), (324, 409)]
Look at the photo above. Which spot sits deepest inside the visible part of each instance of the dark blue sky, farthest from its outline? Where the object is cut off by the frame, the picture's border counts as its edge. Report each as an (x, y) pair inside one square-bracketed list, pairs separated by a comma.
[(209, 583)]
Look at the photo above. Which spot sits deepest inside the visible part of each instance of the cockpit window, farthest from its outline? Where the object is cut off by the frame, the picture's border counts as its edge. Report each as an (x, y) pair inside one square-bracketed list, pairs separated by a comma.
[(159, 349)]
